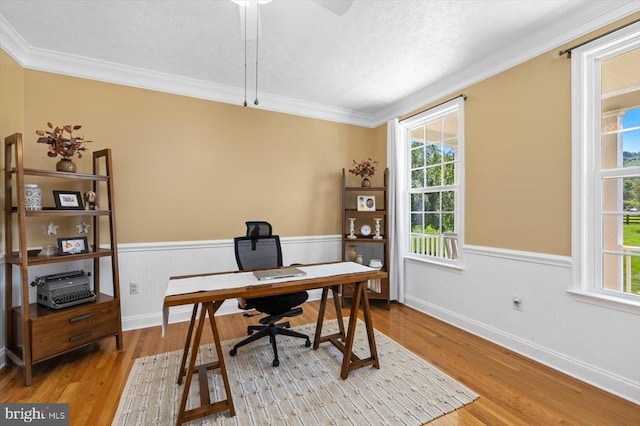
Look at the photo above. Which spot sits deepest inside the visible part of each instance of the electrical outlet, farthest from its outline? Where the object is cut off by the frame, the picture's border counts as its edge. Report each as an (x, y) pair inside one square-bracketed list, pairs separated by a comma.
[(517, 303), (133, 288)]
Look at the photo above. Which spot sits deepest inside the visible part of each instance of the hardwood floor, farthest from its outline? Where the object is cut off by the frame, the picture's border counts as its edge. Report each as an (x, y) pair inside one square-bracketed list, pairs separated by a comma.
[(513, 390)]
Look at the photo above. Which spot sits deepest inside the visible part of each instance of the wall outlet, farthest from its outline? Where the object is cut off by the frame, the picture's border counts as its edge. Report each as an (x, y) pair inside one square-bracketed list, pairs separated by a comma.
[(517, 303), (133, 288)]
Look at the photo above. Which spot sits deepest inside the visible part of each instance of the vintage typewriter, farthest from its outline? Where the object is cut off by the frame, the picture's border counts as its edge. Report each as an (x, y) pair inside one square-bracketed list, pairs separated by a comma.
[(65, 289)]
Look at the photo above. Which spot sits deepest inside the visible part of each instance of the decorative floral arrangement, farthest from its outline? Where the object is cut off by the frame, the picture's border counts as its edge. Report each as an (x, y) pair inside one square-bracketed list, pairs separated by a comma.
[(365, 168), (61, 144)]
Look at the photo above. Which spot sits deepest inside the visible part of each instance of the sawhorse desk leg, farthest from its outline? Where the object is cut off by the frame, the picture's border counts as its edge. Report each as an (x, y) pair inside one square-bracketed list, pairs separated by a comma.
[(206, 406), (345, 342)]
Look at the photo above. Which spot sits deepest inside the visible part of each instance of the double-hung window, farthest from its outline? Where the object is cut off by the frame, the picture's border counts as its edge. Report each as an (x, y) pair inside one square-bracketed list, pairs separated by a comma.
[(433, 146), (606, 169)]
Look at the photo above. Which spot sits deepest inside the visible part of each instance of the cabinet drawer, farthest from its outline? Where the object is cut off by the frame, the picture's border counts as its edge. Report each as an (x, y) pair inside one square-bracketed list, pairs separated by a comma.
[(73, 327)]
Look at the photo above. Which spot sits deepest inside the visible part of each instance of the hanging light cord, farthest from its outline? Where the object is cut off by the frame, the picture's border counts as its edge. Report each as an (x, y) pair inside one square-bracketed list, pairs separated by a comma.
[(245, 56), (255, 102)]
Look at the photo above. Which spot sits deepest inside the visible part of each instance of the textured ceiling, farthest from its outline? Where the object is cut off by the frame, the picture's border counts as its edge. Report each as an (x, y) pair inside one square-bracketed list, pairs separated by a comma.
[(364, 62)]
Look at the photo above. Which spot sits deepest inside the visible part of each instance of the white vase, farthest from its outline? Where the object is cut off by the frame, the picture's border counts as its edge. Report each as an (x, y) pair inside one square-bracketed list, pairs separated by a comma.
[(32, 197)]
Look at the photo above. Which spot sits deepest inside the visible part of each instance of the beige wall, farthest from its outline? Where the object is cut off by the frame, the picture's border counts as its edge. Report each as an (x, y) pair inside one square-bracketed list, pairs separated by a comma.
[(189, 169), (518, 155)]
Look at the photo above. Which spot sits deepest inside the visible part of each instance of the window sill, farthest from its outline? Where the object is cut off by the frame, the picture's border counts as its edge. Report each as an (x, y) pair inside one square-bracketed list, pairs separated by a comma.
[(455, 265), (607, 301)]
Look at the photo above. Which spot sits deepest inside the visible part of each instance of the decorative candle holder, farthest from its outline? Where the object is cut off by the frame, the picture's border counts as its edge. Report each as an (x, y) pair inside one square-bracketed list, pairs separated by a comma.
[(352, 228), (377, 236)]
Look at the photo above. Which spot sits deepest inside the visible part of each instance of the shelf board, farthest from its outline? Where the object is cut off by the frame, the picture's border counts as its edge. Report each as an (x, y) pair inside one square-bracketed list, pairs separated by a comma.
[(34, 259), (53, 212), (365, 188), (38, 311), (363, 239), (366, 212), (64, 175)]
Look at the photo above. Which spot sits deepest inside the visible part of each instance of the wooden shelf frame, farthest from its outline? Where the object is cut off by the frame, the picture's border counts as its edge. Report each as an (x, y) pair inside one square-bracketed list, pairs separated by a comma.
[(349, 192), (22, 319)]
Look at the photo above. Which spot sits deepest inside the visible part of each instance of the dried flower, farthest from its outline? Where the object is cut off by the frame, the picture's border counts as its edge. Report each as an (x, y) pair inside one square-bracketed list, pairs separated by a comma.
[(365, 168), (61, 145)]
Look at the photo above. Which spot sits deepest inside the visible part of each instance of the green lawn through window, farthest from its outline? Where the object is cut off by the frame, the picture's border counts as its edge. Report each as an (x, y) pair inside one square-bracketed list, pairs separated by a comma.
[(632, 238)]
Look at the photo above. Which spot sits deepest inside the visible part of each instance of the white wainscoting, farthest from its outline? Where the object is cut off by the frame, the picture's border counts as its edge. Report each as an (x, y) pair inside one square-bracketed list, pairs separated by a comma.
[(151, 265), (597, 345)]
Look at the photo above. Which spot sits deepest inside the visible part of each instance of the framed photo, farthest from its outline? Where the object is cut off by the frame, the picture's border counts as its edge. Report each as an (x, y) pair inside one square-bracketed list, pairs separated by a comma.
[(73, 245), (68, 200), (366, 203)]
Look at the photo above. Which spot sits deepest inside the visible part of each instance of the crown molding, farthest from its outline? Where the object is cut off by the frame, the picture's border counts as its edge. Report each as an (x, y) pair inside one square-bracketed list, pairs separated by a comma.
[(568, 29), (82, 67), (94, 69)]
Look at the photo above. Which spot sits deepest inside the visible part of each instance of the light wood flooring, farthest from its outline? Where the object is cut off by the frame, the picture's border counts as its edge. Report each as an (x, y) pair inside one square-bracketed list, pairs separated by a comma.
[(513, 390)]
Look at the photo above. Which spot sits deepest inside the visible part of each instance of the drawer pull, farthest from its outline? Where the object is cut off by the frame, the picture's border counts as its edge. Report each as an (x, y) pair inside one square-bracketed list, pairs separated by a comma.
[(80, 336), (80, 318)]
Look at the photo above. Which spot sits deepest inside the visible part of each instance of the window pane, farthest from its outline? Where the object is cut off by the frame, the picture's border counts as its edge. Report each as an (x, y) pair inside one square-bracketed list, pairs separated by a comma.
[(432, 223), (433, 176), (621, 272), (417, 178), (416, 202), (449, 177), (450, 149), (433, 154), (417, 222), (621, 194), (417, 158), (434, 131), (448, 222), (448, 201), (432, 202), (620, 107), (417, 137)]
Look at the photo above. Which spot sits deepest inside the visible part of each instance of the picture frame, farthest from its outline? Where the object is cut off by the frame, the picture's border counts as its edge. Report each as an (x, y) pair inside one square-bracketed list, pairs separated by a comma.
[(366, 203), (68, 200), (74, 245)]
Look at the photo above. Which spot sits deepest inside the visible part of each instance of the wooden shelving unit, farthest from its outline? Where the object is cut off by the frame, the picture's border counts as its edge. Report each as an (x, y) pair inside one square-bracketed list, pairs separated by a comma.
[(366, 245), (34, 332)]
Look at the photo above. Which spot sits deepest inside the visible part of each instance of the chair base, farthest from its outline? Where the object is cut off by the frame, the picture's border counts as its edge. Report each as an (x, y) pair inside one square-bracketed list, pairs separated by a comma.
[(271, 330)]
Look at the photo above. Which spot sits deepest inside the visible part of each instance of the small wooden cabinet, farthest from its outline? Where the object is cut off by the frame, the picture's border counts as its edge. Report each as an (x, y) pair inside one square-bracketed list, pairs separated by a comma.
[(35, 333), (368, 207)]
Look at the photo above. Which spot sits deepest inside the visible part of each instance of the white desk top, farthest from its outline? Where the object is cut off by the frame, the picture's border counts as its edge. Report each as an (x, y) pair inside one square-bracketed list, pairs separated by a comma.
[(243, 279), (233, 280)]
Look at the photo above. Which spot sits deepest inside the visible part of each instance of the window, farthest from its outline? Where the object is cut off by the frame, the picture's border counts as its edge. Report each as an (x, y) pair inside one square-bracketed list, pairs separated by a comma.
[(433, 143), (606, 170)]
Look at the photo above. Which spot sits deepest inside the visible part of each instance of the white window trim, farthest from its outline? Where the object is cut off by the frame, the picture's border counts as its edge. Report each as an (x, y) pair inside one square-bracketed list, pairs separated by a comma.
[(586, 122), (403, 177)]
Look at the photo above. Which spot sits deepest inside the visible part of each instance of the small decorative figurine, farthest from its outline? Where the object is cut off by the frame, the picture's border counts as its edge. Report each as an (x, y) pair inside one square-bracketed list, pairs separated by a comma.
[(90, 200), (83, 228), (49, 249)]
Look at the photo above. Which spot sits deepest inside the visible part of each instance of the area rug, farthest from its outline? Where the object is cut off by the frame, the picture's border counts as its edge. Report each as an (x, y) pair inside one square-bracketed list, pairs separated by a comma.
[(306, 389)]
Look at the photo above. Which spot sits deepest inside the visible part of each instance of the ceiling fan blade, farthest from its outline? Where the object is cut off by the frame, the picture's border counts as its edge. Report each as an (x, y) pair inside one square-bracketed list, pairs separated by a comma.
[(339, 7)]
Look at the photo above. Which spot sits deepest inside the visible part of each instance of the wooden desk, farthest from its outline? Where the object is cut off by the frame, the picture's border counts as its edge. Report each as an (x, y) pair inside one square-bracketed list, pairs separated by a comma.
[(243, 284)]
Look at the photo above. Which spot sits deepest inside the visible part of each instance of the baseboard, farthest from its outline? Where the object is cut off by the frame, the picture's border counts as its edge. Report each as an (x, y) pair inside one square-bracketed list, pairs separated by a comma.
[(616, 385), (3, 358)]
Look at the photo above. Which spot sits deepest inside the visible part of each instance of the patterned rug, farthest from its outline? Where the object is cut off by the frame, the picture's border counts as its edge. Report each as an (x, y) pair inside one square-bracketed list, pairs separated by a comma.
[(306, 389)]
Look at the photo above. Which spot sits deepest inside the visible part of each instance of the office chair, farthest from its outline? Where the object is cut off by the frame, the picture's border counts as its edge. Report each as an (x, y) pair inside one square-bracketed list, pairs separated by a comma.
[(259, 252)]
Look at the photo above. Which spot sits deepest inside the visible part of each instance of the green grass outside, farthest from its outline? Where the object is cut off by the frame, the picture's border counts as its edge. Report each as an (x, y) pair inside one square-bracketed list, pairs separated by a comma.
[(632, 238)]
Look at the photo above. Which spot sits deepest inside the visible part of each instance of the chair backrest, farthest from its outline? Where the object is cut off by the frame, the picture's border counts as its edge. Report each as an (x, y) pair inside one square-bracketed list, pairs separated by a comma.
[(258, 252), (258, 228)]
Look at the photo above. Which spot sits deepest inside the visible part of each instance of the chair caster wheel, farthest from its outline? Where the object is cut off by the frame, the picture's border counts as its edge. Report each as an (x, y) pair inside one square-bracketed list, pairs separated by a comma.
[(307, 343), (275, 363), (233, 352)]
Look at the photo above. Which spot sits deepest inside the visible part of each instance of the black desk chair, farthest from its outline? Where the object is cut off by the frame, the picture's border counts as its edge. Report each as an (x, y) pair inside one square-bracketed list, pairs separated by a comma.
[(260, 252)]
